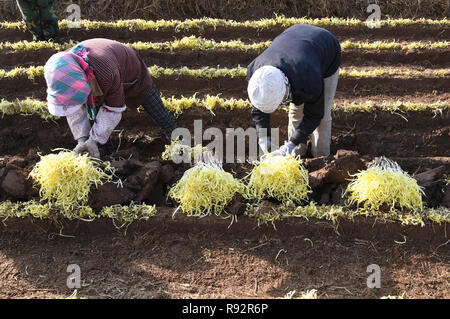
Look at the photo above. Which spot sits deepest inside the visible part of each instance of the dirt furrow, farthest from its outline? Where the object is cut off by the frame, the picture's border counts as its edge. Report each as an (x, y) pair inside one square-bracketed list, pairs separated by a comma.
[(185, 85), (231, 58), (198, 263), (409, 33), (376, 133)]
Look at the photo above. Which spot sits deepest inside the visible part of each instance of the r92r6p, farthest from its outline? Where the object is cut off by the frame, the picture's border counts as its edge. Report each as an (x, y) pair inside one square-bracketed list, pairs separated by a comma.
[(247, 308)]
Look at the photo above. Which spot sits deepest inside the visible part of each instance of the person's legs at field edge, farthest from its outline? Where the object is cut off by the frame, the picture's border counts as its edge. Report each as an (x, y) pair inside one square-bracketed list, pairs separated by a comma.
[(40, 18)]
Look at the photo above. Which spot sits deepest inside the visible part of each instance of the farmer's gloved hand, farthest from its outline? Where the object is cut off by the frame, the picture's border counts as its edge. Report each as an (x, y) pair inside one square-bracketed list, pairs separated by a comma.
[(264, 144), (287, 148), (300, 150), (81, 140), (89, 146)]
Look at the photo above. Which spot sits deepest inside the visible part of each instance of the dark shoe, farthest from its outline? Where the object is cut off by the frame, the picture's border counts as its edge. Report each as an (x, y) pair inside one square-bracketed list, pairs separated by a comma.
[(107, 149)]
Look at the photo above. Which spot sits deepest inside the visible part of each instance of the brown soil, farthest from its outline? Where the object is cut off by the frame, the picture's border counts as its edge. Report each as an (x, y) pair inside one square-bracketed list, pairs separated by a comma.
[(407, 33), (192, 261), (174, 256), (190, 257), (376, 133), (187, 86), (236, 9), (232, 58)]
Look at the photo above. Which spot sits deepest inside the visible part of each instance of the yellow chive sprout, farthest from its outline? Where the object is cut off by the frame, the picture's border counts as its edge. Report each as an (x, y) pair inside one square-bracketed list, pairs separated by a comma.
[(176, 151)]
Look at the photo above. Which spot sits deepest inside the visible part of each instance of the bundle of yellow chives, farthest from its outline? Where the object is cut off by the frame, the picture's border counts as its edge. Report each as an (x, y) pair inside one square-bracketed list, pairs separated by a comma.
[(384, 182), (205, 189), (280, 177), (66, 178)]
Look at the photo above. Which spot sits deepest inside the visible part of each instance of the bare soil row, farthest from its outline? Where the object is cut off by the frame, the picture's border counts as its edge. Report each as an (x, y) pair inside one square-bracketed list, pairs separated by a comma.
[(410, 33), (362, 228), (168, 260), (237, 86), (415, 134), (231, 58), (235, 9)]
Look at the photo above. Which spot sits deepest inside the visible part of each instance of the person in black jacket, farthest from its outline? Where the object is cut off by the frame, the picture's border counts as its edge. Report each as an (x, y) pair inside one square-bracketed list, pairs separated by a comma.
[(300, 67)]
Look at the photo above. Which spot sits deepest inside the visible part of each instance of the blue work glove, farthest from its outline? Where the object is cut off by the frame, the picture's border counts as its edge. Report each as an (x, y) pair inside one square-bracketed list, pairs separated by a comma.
[(287, 148)]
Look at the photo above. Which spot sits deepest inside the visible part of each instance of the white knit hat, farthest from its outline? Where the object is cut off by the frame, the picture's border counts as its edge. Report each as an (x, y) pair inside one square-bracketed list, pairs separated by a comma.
[(267, 88)]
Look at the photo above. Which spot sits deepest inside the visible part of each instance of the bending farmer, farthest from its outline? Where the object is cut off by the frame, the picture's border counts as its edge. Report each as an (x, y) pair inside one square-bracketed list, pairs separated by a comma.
[(96, 80), (301, 66)]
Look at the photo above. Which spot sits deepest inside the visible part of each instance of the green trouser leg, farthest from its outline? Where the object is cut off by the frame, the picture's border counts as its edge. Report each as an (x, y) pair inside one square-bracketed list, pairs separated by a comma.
[(49, 18), (40, 18), (30, 16)]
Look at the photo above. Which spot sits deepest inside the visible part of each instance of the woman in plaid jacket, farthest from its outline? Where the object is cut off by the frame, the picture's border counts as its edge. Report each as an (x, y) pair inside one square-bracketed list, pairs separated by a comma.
[(96, 80)]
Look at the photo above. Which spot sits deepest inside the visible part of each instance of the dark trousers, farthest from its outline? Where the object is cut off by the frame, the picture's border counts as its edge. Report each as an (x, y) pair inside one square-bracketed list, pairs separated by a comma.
[(40, 18), (154, 106)]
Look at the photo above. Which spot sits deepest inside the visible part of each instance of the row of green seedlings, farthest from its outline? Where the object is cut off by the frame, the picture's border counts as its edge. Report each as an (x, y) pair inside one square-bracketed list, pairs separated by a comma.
[(156, 71), (201, 44), (207, 189), (121, 215), (203, 23), (214, 103)]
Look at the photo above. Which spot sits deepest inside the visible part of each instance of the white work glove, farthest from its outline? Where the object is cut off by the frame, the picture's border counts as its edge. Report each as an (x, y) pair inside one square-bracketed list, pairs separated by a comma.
[(90, 146), (265, 145), (81, 140), (287, 148)]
